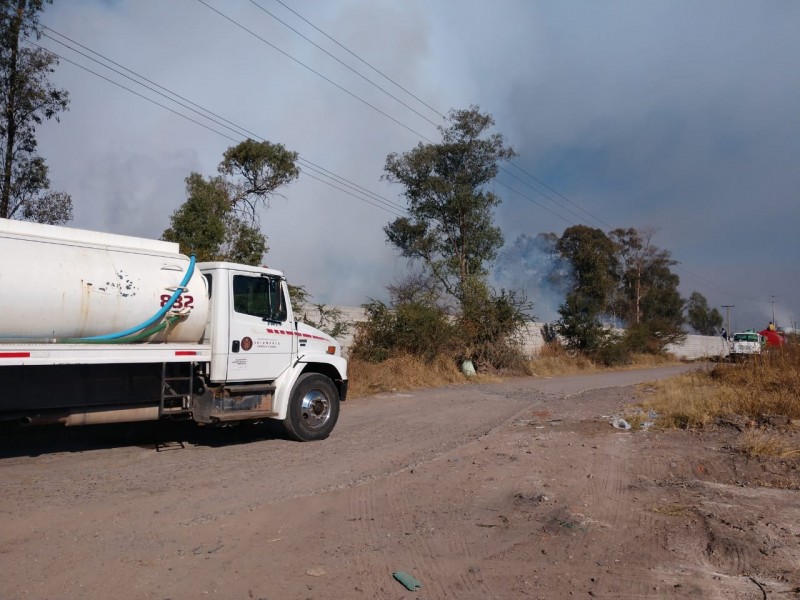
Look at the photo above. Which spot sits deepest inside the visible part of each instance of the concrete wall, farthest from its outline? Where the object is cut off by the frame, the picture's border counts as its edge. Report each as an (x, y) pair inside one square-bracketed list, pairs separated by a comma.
[(700, 346), (695, 347)]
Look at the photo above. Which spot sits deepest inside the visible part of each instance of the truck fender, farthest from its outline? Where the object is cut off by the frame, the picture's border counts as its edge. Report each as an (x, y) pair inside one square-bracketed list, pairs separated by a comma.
[(332, 366)]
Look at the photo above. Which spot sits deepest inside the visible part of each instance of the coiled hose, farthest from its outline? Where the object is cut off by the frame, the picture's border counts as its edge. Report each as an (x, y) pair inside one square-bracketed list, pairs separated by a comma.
[(134, 334)]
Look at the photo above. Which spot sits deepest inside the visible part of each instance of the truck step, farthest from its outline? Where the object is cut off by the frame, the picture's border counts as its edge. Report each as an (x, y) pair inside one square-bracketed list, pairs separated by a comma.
[(243, 415), (251, 388)]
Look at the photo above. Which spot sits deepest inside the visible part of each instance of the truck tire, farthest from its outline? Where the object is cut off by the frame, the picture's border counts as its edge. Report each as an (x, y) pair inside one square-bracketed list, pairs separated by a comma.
[(313, 408)]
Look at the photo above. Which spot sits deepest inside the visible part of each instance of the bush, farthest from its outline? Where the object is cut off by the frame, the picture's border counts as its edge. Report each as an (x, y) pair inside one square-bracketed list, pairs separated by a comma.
[(413, 328), (488, 332), (491, 329), (613, 351), (652, 337), (638, 338)]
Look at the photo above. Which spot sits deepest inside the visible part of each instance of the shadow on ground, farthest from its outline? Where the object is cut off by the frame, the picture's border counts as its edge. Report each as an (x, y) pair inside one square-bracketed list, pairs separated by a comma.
[(159, 436)]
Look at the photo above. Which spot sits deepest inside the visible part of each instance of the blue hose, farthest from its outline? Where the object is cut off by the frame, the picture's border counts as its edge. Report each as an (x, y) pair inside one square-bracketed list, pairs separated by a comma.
[(156, 317)]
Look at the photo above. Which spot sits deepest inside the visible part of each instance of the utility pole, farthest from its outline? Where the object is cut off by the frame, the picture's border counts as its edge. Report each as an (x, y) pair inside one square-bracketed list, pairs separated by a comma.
[(773, 311), (728, 308)]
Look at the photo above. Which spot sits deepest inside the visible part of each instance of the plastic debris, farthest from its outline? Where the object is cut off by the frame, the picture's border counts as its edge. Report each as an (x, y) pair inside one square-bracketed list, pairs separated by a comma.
[(647, 424), (407, 580), (621, 424), (467, 368)]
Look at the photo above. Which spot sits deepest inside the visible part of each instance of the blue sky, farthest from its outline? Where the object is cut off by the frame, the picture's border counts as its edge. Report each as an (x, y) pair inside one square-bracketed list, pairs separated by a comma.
[(680, 116)]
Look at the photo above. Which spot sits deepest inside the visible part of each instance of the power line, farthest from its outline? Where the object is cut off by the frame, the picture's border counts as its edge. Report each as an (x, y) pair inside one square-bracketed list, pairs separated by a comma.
[(357, 57), (344, 64), (573, 213), (421, 136), (140, 76), (315, 72), (718, 288), (539, 181), (134, 92), (535, 202), (560, 195), (383, 203), (217, 119), (351, 194), (185, 104), (340, 183)]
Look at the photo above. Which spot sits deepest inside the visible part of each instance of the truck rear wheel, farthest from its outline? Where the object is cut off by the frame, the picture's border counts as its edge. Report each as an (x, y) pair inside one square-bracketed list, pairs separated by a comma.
[(313, 408)]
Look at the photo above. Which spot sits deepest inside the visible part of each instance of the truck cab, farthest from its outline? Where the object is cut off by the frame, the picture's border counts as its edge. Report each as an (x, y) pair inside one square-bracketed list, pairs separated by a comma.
[(261, 353)]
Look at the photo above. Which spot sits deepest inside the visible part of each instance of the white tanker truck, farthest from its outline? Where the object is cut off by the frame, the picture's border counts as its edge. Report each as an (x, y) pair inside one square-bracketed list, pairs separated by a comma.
[(103, 328)]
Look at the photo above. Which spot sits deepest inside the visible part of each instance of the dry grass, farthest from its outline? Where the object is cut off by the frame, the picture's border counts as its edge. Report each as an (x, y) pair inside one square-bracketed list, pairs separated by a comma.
[(647, 361), (760, 442), (555, 360), (767, 385), (407, 372), (402, 373)]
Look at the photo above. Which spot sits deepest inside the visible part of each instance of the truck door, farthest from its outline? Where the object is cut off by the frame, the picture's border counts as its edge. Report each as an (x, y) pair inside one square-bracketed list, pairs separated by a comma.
[(261, 330)]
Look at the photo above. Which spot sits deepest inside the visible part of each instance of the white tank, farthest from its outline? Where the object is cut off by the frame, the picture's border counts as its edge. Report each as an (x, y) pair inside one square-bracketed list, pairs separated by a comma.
[(58, 283)]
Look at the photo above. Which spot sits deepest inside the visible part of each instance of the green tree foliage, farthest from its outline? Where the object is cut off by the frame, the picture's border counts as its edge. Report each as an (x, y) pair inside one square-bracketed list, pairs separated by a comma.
[(622, 277), (412, 327), (330, 319), (703, 320), (206, 226), (450, 231), (27, 98), (450, 226), (592, 257), (491, 325), (415, 322), (253, 171), (418, 322), (648, 300), (219, 220)]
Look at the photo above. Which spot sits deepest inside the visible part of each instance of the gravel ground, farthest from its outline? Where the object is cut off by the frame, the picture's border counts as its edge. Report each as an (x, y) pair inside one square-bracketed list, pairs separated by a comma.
[(521, 489)]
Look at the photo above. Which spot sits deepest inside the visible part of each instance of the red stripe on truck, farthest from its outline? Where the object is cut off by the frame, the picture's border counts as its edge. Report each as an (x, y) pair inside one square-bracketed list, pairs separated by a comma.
[(295, 333), (15, 354)]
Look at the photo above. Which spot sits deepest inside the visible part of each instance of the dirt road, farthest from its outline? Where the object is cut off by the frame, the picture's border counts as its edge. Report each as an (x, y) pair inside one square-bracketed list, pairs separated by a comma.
[(514, 490)]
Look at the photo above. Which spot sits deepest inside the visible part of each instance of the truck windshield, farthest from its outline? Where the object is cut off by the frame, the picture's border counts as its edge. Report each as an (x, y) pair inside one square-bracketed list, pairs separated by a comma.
[(745, 337), (259, 297)]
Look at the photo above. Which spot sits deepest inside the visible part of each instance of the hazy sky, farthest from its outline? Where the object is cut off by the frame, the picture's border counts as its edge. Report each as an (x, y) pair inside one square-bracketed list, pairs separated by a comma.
[(678, 115)]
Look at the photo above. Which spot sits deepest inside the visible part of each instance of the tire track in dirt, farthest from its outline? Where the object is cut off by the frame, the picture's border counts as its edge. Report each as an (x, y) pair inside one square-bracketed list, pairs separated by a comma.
[(423, 543)]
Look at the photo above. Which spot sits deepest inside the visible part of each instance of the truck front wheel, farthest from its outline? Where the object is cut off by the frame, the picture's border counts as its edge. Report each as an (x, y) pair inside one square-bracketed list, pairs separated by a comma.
[(313, 408)]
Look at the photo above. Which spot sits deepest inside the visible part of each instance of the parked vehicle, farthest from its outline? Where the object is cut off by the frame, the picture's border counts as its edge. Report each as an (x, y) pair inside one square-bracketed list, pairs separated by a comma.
[(102, 328), (744, 344)]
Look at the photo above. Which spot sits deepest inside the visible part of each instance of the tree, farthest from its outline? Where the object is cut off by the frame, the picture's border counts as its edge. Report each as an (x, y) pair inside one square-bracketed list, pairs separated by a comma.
[(219, 220), (700, 318), (27, 98), (634, 251), (253, 171), (648, 300), (662, 310), (206, 226), (450, 227), (591, 256), (624, 276)]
